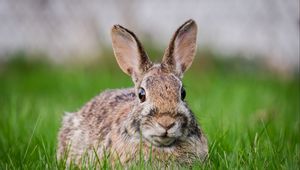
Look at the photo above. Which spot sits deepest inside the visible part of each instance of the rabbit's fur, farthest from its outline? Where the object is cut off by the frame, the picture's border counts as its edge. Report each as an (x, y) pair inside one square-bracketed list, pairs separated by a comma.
[(124, 123)]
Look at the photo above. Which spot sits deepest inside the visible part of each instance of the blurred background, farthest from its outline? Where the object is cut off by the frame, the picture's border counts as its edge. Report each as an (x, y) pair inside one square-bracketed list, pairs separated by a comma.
[(243, 86), (63, 30)]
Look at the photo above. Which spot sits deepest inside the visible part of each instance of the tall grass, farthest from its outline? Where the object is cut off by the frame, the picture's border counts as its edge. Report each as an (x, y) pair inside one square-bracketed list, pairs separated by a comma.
[(251, 117)]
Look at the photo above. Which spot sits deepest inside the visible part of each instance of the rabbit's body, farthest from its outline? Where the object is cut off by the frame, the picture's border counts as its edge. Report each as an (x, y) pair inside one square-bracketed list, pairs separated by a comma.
[(151, 118), (94, 126)]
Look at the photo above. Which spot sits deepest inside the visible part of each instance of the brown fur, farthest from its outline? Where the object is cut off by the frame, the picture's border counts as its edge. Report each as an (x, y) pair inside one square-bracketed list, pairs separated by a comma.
[(117, 121)]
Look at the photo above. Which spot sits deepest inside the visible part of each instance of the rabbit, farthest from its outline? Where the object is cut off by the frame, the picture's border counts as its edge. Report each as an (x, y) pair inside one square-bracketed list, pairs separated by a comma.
[(152, 116)]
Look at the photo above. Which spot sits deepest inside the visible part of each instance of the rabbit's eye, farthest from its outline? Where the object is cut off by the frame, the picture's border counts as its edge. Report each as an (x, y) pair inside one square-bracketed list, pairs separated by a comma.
[(183, 93), (142, 94)]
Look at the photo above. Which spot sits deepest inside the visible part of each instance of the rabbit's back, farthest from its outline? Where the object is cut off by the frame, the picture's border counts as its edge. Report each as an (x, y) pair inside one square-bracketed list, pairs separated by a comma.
[(92, 124)]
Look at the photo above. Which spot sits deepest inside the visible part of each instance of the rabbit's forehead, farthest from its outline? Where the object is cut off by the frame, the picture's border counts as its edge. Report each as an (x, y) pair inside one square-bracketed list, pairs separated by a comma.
[(164, 82), (158, 78), (162, 90)]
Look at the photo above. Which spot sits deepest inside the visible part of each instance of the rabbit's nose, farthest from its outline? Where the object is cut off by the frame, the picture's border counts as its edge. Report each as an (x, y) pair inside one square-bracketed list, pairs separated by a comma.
[(166, 122)]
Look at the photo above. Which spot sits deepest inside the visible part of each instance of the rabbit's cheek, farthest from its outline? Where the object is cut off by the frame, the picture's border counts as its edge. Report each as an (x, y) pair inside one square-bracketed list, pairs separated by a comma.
[(148, 133), (184, 111), (184, 134), (148, 109)]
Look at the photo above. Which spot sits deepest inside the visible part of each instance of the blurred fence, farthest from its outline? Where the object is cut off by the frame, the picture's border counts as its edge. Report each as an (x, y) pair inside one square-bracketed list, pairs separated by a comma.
[(66, 28)]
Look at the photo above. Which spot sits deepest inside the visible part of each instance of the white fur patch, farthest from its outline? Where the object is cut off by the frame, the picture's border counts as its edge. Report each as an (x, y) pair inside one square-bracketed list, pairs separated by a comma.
[(181, 108), (147, 107)]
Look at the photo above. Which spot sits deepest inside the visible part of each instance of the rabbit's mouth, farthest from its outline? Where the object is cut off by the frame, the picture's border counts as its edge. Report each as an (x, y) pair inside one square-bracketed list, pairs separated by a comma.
[(162, 141)]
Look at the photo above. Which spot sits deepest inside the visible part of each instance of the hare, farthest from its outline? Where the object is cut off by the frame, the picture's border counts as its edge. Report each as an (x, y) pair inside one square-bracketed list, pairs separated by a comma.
[(152, 116)]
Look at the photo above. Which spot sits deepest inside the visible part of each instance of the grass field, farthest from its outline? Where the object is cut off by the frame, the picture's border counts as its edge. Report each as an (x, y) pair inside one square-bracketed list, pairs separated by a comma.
[(250, 116)]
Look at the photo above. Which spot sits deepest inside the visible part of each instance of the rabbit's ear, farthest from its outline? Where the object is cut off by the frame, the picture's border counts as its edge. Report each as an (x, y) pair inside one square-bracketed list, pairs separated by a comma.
[(129, 52), (179, 55)]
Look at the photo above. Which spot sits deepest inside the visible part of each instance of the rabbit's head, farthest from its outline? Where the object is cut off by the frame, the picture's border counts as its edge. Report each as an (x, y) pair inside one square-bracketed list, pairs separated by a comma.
[(161, 114)]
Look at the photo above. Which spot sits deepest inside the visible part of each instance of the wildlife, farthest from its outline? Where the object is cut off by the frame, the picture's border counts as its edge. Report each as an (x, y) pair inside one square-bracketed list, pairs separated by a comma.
[(152, 117)]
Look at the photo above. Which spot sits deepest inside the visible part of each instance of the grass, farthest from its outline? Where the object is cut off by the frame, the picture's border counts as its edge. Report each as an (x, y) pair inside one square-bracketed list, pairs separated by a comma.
[(251, 117)]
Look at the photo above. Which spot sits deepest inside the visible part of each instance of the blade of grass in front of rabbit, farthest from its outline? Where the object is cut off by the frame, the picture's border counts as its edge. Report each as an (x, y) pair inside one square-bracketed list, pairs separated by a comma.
[(141, 155)]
